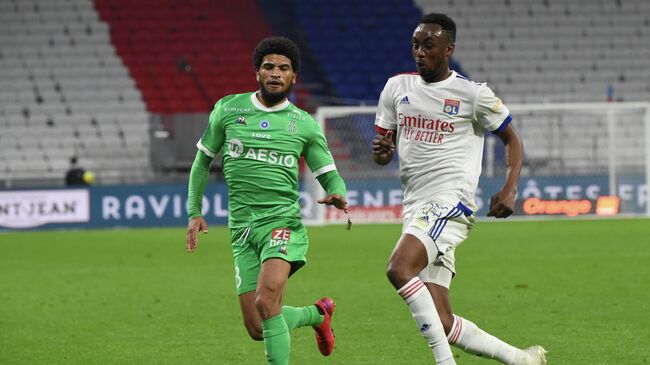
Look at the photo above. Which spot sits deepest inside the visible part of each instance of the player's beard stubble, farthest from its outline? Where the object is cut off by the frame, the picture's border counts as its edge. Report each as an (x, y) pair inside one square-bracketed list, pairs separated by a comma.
[(273, 97)]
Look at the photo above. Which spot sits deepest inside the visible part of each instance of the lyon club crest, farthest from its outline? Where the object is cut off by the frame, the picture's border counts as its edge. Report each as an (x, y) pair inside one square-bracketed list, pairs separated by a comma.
[(451, 106)]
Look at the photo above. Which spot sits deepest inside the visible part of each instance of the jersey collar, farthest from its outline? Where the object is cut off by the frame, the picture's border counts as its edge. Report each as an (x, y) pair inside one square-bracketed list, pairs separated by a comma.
[(439, 83), (274, 108)]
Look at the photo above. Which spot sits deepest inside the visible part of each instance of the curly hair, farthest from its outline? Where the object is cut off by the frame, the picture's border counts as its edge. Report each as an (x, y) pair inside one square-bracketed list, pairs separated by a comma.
[(277, 45), (446, 23)]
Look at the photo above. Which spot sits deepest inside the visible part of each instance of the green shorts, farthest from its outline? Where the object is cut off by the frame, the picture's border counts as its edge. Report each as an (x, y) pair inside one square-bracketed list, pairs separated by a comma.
[(251, 246)]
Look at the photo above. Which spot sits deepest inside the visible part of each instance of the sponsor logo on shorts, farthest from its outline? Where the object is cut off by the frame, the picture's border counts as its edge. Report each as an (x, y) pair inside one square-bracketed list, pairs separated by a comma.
[(280, 237), (425, 327), (283, 249), (428, 214)]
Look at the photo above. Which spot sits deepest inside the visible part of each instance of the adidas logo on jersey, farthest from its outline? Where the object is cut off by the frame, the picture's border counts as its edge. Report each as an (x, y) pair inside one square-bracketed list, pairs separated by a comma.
[(405, 100)]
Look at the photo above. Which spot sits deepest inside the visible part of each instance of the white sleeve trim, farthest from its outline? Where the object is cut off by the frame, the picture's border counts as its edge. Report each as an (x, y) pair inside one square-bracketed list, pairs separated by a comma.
[(324, 169), (204, 149), (385, 125)]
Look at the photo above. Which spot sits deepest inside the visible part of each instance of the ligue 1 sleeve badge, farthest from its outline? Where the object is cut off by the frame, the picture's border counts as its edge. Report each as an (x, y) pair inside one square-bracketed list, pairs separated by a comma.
[(451, 106)]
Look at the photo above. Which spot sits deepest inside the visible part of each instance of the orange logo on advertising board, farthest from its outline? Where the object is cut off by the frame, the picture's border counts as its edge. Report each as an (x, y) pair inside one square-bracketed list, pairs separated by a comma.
[(571, 208), (607, 205)]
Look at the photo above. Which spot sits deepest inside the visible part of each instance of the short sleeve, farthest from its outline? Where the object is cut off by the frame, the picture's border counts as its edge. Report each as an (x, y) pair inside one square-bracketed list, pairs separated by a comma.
[(317, 153), (386, 117), (491, 114), (213, 137)]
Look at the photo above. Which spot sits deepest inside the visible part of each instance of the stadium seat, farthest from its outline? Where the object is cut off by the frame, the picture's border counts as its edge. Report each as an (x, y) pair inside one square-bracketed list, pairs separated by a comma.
[(155, 38), (59, 69), (578, 44)]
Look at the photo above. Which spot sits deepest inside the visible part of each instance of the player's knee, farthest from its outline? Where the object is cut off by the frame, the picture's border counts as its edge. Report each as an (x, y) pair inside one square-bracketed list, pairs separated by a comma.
[(397, 275), (267, 303), (447, 321)]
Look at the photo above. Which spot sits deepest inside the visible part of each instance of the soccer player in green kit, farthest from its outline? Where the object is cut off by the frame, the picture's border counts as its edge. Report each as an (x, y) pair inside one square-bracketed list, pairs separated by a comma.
[(261, 137)]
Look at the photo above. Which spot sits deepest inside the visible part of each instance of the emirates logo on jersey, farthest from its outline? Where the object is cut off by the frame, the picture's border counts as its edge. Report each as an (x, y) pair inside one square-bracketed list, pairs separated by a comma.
[(422, 129), (422, 122)]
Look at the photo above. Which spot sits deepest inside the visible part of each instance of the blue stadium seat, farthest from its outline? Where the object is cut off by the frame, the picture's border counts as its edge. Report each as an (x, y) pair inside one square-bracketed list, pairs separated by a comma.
[(360, 44)]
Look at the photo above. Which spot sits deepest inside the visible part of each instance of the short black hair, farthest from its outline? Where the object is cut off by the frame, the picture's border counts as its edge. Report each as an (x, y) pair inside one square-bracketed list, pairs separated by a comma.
[(277, 45), (446, 23)]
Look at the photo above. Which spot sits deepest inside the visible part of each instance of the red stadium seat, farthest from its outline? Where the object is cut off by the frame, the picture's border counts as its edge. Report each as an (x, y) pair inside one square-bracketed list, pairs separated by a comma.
[(154, 36)]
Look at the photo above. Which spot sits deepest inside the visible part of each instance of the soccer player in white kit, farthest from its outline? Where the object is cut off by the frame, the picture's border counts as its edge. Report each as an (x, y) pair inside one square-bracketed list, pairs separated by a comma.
[(437, 118)]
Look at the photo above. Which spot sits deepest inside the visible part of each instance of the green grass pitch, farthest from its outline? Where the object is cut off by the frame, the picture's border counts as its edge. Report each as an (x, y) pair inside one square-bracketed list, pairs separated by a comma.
[(580, 288)]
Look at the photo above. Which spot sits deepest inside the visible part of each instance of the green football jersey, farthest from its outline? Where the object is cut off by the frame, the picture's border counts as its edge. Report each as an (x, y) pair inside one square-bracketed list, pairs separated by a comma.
[(260, 149)]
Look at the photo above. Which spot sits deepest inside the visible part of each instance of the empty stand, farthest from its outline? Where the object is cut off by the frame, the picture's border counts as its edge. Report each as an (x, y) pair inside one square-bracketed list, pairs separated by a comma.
[(65, 92), (185, 55), (359, 43), (552, 50)]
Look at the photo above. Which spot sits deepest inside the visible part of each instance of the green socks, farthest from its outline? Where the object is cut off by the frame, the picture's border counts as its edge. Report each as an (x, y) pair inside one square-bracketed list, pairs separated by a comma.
[(277, 341), (301, 316)]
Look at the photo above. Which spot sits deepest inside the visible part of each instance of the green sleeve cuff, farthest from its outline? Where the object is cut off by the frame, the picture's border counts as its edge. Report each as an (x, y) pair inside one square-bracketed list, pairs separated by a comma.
[(333, 183), (196, 187)]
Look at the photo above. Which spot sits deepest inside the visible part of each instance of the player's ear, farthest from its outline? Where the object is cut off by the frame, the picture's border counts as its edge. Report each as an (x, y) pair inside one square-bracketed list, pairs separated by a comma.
[(450, 49), (293, 81), (257, 76)]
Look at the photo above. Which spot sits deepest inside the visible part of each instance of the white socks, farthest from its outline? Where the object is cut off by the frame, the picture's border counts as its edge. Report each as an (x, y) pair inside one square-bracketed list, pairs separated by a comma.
[(467, 336), (419, 300)]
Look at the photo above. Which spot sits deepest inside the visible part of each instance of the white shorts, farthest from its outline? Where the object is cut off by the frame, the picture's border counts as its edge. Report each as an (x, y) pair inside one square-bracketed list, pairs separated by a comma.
[(441, 225)]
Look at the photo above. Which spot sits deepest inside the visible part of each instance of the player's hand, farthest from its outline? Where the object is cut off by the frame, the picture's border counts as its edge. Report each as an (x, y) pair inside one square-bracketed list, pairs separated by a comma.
[(502, 204), (382, 146), (193, 227), (335, 200)]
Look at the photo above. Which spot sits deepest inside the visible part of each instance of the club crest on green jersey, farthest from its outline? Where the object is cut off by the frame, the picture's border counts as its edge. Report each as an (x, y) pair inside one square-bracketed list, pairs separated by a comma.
[(291, 127)]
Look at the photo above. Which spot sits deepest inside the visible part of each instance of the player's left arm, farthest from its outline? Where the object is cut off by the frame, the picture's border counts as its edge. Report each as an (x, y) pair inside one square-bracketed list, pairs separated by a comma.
[(502, 204), (494, 116), (321, 163), (334, 185)]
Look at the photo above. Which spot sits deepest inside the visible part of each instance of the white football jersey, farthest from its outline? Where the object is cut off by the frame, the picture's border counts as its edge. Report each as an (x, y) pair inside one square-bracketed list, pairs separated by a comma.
[(440, 130)]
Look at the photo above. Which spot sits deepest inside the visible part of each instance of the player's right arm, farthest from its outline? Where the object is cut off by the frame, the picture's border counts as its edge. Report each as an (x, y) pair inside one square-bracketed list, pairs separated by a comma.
[(383, 145), (209, 145), (196, 187)]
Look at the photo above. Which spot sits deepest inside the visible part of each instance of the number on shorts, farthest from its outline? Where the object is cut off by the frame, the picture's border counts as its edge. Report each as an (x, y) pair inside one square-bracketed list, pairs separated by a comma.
[(237, 277)]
